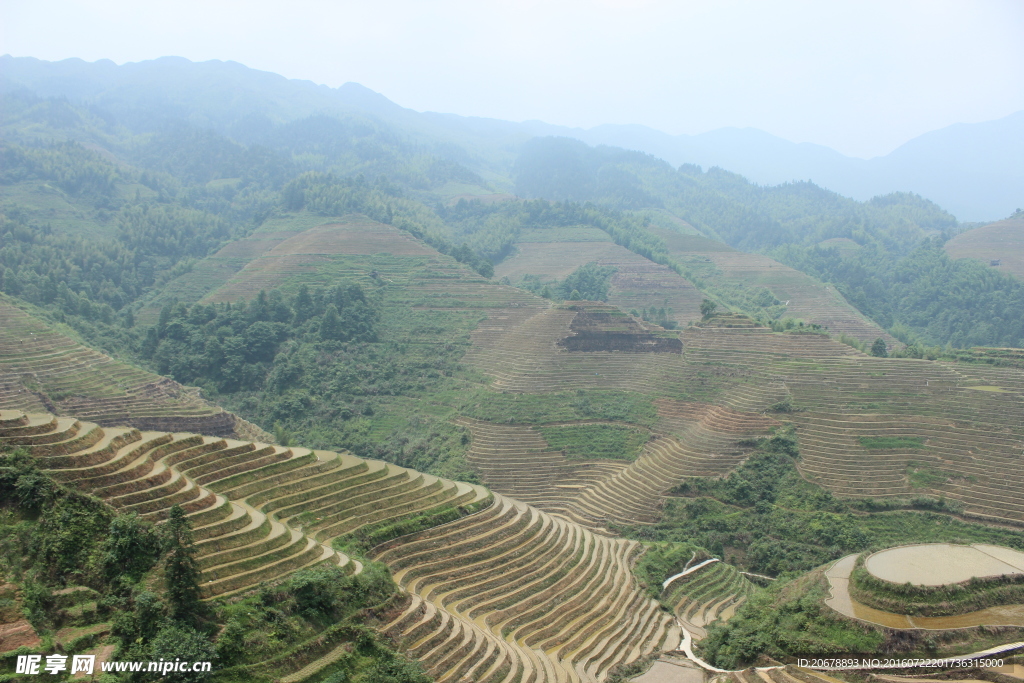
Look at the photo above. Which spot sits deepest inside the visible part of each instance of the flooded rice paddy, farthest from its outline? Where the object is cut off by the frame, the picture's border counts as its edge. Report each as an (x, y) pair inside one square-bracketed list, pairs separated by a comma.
[(938, 564), (839, 580)]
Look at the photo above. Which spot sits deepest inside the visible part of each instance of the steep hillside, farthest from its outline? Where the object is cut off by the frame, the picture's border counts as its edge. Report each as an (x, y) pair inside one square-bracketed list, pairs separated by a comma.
[(484, 576), (217, 268), (42, 369), (289, 248), (1002, 241)]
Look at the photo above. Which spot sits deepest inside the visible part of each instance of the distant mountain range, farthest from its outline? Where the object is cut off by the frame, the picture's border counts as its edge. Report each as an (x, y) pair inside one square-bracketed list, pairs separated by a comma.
[(975, 171)]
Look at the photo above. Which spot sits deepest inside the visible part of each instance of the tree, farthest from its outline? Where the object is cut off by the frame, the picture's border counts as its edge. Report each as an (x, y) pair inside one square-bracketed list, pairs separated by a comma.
[(304, 309), (590, 281), (131, 548), (176, 641), (708, 308), (330, 326), (181, 575), (879, 348)]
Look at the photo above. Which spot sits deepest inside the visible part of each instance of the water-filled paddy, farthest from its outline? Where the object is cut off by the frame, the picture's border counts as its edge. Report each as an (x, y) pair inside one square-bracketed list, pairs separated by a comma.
[(937, 564), (839, 580)]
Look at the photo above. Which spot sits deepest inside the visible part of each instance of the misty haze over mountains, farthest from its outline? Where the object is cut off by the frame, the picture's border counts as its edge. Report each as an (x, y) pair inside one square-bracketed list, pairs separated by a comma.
[(974, 171)]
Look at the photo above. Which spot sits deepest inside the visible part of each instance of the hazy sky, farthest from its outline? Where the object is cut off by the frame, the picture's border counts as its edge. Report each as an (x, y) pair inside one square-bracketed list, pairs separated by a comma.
[(862, 77)]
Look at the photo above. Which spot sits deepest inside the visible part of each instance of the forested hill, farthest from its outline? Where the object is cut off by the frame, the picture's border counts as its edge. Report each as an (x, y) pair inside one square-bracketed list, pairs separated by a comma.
[(723, 204), (105, 203)]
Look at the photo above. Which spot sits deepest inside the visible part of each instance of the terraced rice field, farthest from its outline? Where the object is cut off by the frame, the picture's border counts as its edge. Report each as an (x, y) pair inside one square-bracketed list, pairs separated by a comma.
[(842, 399), (842, 601), (938, 564), (711, 593), (215, 270), (507, 594), (691, 438), (637, 283), (843, 396), (704, 441), (43, 370), (302, 253), (516, 461), (807, 298), (1002, 241)]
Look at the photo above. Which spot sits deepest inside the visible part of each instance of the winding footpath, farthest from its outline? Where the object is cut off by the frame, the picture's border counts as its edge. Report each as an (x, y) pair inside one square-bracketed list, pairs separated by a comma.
[(669, 580)]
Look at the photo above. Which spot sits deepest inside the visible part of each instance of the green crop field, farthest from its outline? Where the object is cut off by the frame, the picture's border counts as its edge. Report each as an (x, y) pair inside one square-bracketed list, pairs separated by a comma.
[(596, 441), (890, 442)]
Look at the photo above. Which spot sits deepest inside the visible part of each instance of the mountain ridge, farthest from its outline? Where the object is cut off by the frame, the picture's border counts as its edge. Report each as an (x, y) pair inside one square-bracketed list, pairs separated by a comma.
[(970, 169)]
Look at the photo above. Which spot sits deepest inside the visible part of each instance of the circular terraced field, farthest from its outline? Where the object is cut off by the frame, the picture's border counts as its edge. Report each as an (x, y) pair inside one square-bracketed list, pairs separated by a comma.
[(938, 564)]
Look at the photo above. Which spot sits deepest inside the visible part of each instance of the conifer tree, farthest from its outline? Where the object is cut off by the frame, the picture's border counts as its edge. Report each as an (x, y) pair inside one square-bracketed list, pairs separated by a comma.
[(330, 326), (181, 575)]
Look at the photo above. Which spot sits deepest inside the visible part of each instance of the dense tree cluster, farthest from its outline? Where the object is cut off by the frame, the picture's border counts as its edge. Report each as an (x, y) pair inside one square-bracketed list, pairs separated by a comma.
[(589, 282), (925, 295), (234, 348), (55, 537), (127, 242)]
